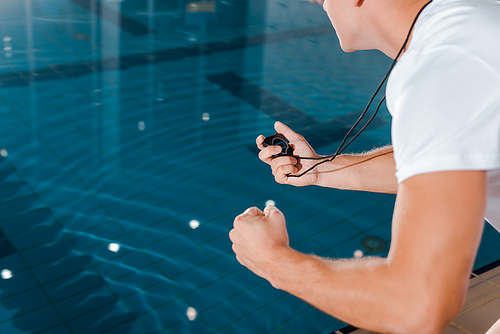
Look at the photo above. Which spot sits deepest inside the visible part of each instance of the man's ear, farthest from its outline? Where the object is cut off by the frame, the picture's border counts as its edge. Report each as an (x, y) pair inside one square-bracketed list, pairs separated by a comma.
[(358, 3)]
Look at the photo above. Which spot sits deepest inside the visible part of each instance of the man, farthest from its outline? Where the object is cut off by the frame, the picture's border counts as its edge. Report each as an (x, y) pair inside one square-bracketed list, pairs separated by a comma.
[(444, 166)]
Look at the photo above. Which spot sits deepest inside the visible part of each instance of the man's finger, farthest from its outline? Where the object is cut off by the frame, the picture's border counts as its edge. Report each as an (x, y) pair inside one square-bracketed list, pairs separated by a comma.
[(287, 132), (253, 211), (285, 170), (232, 236), (281, 178), (267, 153), (283, 161), (259, 141), (269, 209)]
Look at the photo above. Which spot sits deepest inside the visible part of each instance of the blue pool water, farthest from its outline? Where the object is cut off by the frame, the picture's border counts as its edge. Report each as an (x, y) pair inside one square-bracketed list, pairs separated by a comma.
[(127, 149)]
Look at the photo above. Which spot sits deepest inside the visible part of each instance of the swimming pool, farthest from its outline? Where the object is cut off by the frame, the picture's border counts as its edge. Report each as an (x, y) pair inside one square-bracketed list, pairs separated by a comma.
[(127, 149)]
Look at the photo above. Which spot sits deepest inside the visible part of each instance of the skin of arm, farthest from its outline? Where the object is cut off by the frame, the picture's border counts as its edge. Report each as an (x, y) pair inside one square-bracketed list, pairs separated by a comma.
[(437, 224), (371, 171), (495, 329), (419, 288)]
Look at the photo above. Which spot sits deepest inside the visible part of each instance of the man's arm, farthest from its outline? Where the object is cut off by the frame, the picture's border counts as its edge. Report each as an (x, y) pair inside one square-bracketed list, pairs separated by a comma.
[(371, 171), (419, 288)]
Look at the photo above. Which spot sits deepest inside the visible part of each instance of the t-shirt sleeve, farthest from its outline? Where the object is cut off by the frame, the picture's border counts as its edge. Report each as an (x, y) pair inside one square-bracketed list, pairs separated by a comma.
[(446, 114)]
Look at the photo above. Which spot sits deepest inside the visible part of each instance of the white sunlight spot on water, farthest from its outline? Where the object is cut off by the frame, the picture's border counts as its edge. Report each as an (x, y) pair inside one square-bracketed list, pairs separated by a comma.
[(194, 224), (6, 274), (270, 202), (114, 247), (191, 313)]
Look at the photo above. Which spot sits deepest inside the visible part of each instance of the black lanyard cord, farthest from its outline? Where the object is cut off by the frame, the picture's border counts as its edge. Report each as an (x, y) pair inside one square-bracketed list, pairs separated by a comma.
[(341, 146)]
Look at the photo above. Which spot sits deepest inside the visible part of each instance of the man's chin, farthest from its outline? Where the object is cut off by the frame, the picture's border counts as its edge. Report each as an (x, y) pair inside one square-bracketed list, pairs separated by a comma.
[(347, 48)]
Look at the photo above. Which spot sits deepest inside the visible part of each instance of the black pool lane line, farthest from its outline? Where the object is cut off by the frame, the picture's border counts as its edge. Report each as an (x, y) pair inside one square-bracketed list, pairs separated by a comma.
[(74, 70), (6, 247), (260, 98), (318, 134), (120, 20)]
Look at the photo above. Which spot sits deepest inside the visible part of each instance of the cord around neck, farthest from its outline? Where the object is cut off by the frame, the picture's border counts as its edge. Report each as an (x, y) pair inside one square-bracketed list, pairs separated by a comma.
[(342, 147)]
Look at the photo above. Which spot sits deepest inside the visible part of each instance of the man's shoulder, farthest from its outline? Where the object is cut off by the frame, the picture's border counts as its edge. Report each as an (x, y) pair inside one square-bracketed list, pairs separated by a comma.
[(468, 24), (454, 35)]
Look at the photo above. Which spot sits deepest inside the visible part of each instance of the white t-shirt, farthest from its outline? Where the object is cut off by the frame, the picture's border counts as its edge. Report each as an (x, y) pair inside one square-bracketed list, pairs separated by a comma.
[(444, 95)]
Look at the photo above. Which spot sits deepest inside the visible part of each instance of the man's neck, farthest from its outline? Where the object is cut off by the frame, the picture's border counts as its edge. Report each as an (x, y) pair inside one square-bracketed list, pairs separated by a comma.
[(393, 24)]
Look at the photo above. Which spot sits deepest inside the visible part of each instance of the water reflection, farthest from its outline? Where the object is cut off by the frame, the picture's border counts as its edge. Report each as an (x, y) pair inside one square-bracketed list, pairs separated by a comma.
[(6, 274), (194, 224), (191, 313), (131, 125), (113, 247), (62, 275)]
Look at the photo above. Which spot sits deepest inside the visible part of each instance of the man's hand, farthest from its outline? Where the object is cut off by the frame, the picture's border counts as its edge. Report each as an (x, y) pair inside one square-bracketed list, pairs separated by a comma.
[(370, 171), (284, 165), (259, 238), (419, 288)]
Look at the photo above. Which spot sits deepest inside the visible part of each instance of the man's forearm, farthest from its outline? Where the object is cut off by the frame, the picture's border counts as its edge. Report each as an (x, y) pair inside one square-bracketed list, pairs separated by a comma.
[(363, 292), (422, 285), (371, 171)]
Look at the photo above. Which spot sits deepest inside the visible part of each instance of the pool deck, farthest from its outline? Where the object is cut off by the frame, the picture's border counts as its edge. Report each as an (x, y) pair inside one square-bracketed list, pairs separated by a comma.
[(480, 311)]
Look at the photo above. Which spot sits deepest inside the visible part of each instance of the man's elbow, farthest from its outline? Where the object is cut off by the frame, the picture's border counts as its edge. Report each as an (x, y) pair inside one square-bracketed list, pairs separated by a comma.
[(436, 323), (434, 316)]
